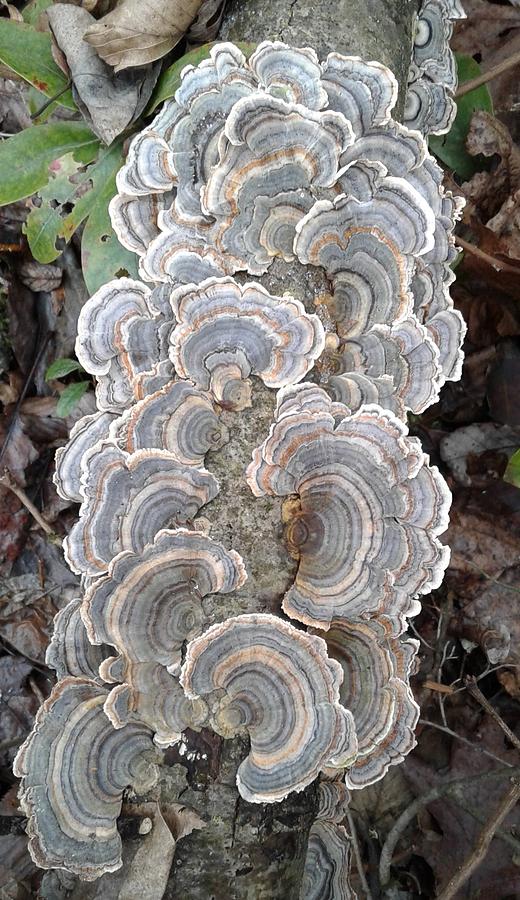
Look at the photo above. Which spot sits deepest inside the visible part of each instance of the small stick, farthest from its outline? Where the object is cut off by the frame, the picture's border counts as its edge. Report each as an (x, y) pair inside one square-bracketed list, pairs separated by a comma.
[(464, 740), (513, 60), (357, 854), (485, 837), (438, 687), (497, 264), (441, 790), (7, 480), (475, 692), (48, 102)]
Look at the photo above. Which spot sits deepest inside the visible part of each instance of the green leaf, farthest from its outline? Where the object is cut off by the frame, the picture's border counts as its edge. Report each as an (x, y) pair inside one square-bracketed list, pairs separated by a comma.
[(28, 53), (512, 472), (70, 397), (48, 222), (61, 367), (32, 11), (170, 79), (25, 158), (451, 147), (102, 256)]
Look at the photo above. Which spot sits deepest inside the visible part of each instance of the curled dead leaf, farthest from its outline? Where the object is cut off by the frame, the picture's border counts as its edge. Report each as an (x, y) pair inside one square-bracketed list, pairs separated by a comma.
[(137, 32)]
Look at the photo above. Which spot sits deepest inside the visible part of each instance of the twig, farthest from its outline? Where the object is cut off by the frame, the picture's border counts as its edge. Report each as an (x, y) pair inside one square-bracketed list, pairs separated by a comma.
[(441, 790), (504, 836), (475, 692), (7, 480), (504, 66), (357, 854), (497, 264), (484, 840), (459, 737), (22, 396), (438, 686), (48, 102)]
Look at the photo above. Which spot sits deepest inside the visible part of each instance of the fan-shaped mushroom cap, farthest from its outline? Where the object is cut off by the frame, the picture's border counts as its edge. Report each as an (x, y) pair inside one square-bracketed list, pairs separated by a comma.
[(333, 799), (354, 389), (129, 497), (153, 697), (183, 253), (407, 352), (277, 683), (178, 418), (365, 92), (290, 73), (433, 73), (327, 863), (431, 47), (84, 434), (376, 666), (428, 108), (122, 334), (147, 606), (74, 768), (270, 148), (149, 167), (227, 331), (70, 651), (369, 508), (134, 218)]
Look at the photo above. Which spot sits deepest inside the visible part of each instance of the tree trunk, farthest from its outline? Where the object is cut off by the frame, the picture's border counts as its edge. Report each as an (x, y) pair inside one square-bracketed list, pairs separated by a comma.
[(253, 851)]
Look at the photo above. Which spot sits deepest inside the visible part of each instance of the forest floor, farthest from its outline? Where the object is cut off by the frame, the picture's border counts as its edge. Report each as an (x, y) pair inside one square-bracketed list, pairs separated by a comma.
[(452, 787)]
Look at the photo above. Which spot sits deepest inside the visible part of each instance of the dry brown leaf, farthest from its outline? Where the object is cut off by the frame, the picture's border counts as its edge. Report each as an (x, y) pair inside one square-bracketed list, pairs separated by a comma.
[(489, 136), (140, 31), (108, 102), (206, 25)]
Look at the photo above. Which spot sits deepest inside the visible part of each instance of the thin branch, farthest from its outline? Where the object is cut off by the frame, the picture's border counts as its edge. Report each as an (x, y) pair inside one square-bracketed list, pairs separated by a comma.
[(48, 102), (477, 694), (504, 66), (357, 854), (485, 837), (504, 836), (409, 814), (7, 481), (497, 264), (464, 740), (21, 398)]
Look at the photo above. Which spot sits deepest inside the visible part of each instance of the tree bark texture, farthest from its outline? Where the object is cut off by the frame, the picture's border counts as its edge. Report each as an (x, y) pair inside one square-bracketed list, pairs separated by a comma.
[(373, 29)]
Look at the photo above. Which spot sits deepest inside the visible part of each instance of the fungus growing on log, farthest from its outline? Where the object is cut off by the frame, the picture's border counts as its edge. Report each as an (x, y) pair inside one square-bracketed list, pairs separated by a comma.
[(122, 336), (263, 676), (128, 498), (74, 768), (147, 606), (84, 434), (70, 651), (226, 331), (430, 106), (376, 671), (292, 171), (327, 863), (179, 418), (369, 508)]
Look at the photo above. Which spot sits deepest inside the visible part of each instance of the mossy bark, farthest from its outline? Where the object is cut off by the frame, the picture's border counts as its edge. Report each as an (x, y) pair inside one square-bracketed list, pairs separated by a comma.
[(249, 851)]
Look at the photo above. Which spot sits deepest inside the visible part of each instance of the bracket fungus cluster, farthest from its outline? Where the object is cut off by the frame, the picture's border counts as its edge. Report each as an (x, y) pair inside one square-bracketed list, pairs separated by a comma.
[(430, 106), (290, 172)]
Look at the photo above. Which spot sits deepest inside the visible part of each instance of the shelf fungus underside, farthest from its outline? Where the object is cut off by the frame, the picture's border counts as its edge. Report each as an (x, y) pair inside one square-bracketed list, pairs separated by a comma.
[(293, 306)]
